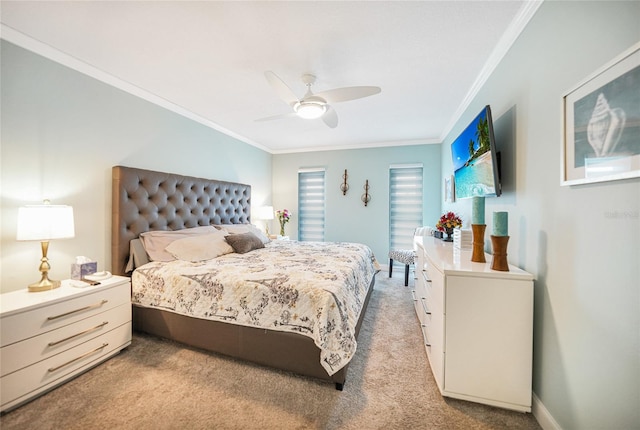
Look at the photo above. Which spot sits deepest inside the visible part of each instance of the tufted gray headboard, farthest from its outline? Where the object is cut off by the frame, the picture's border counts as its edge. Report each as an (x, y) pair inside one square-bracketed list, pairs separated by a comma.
[(144, 200)]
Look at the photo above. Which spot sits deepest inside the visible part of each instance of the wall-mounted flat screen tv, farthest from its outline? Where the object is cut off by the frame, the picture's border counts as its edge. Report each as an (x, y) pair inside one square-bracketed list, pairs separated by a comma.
[(475, 160)]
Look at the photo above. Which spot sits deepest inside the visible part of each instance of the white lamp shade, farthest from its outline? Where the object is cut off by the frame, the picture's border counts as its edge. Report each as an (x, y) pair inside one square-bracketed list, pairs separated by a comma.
[(264, 212), (45, 222)]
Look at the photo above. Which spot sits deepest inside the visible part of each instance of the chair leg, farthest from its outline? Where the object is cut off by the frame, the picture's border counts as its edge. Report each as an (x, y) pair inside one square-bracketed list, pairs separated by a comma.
[(406, 275), (390, 266)]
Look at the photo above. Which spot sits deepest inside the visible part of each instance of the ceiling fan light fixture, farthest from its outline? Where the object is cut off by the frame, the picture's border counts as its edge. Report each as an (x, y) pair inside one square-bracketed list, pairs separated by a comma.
[(310, 110)]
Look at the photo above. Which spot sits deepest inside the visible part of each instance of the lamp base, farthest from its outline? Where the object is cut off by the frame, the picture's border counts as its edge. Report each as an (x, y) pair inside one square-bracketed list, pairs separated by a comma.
[(45, 284)]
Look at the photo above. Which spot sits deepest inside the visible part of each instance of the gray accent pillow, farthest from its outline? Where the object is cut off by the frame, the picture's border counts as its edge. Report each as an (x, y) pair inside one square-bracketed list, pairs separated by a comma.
[(137, 255), (243, 228), (244, 242)]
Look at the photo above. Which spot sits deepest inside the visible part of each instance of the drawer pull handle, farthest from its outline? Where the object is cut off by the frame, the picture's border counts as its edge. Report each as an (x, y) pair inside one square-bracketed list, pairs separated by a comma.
[(97, 305), (93, 351), (413, 295), (426, 341), (424, 307), (79, 334)]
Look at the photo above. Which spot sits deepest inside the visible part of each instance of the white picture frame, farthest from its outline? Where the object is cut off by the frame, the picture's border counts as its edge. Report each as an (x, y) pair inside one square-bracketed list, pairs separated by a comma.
[(601, 124)]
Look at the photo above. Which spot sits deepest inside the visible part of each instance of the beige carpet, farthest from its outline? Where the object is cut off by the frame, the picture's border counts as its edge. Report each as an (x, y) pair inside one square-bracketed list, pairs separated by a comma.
[(162, 385)]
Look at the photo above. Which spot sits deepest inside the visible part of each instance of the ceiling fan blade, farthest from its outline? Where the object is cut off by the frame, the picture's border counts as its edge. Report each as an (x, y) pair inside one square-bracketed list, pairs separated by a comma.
[(283, 91), (330, 117), (281, 116), (348, 93)]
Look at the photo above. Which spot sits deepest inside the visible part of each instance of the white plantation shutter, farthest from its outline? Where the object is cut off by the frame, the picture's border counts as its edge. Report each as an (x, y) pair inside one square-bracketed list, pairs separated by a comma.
[(311, 205), (405, 205)]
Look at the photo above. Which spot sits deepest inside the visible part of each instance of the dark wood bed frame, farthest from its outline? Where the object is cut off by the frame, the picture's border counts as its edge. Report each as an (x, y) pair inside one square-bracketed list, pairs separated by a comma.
[(144, 200)]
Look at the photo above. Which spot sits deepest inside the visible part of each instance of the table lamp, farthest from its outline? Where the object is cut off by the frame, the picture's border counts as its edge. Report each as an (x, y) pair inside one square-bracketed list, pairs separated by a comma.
[(265, 213), (44, 223)]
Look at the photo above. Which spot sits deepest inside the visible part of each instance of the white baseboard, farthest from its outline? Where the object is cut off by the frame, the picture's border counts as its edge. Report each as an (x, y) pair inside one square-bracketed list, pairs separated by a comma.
[(542, 415)]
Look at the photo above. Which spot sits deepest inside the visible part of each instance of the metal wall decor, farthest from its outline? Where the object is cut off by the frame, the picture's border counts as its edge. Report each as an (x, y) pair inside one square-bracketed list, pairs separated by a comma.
[(344, 186), (366, 197)]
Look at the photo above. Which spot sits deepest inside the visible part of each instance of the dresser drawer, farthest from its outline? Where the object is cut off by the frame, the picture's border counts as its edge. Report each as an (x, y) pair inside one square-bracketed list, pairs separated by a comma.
[(56, 314), (19, 386), (416, 304), (435, 288), (22, 354), (433, 332)]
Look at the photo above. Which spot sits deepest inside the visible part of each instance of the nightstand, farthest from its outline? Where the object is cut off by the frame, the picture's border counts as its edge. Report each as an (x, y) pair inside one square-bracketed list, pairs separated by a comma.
[(47, 338)]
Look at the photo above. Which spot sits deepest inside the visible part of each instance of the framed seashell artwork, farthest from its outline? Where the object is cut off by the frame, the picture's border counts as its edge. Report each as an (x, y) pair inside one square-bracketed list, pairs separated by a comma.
[(601, 135)]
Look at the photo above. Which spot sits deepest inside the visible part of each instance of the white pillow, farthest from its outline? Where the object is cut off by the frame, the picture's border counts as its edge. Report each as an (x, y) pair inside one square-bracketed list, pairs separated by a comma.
[(244, 228), (155, 242), (200, 247)]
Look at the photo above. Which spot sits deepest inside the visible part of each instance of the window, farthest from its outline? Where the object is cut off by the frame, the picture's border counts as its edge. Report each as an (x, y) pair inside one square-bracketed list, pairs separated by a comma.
[(405, 204), (311, 205)]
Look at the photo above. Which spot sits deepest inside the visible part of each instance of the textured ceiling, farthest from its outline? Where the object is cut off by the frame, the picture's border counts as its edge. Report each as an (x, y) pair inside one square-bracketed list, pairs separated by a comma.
[(207, 60)]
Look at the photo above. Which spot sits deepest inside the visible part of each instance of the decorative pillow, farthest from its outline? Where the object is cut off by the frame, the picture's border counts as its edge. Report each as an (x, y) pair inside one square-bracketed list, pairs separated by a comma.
[(137, 255), (244, 242), (155, 242), (200, 247), (244, 228)]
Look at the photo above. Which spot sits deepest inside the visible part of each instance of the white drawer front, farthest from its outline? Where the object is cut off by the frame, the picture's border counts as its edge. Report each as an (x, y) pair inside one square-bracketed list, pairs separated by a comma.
[(22, 354), (435, 288), (416, 304), (34, 322), (434, 338), (25, 383)]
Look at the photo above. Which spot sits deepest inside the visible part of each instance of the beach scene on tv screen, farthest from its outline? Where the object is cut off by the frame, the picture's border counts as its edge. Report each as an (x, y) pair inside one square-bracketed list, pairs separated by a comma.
[(472, 160)]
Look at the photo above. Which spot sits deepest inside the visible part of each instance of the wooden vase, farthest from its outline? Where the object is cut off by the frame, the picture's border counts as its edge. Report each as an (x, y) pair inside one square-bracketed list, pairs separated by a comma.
[(499, 244), (477, 254)]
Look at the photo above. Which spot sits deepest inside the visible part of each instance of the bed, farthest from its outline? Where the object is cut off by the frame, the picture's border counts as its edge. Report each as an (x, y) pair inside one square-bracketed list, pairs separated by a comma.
[(302, 320)]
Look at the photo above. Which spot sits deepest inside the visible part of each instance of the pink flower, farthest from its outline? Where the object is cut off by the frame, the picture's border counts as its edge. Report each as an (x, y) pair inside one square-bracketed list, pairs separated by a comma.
[(448, 221)]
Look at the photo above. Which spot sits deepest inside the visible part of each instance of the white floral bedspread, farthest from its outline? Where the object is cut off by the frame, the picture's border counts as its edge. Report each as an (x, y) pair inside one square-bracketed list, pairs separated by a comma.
[(316, 289)]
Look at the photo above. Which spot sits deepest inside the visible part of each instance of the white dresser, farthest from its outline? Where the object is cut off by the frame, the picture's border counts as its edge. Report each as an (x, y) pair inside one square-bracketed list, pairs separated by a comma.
[(477, 325), (48, 337)]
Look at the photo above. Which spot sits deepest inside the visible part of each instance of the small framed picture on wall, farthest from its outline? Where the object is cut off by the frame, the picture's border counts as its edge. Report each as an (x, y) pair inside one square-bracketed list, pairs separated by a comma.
[(449, 189)]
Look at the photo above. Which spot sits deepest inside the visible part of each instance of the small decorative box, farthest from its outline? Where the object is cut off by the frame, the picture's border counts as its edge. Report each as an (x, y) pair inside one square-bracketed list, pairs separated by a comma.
[(462, 239), (79, 271)]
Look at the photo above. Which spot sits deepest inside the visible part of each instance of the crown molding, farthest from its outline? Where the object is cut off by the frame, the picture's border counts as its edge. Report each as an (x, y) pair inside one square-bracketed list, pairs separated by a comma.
[(509, 37)]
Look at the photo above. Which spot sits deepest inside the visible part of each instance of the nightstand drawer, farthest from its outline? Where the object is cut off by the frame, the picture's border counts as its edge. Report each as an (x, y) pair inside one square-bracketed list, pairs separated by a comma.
[(19, 386), (22, 354), (58, 313)]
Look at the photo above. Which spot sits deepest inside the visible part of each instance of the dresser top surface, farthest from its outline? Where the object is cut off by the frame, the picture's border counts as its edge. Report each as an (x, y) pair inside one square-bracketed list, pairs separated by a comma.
[(453, 261)]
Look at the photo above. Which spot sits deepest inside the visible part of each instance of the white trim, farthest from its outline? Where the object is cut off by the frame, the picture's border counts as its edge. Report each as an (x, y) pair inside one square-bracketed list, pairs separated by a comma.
[(359, 146), (311, 169), (508, 39), (22, 40), (542, 415), (406, 166)]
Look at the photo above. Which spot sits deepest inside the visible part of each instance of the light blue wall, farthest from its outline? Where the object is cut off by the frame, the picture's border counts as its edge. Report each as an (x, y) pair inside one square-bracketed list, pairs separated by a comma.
[(62, 131), (347, 219), (582, 242)]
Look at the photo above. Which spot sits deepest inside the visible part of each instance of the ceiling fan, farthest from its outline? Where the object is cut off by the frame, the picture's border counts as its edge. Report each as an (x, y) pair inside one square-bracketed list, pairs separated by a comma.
[(312, 106)]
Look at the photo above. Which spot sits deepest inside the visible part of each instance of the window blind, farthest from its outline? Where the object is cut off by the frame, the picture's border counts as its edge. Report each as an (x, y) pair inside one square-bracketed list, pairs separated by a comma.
[(405, 205), (311, 203)]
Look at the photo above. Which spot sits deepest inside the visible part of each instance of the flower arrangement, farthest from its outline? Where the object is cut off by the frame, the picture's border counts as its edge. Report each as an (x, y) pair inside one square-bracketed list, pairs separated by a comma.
[(448, 221), (283, 216)]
